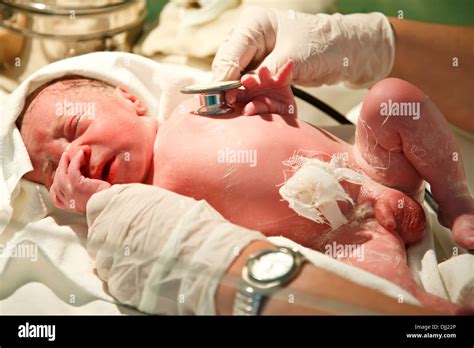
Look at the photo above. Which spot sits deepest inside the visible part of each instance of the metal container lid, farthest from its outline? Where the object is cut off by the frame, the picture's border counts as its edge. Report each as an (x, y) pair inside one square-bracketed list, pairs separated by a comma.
[(65, 6), (71, 19)]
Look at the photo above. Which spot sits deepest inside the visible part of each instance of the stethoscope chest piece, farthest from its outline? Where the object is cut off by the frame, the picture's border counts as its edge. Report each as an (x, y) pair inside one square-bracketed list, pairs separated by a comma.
[(212, 97)]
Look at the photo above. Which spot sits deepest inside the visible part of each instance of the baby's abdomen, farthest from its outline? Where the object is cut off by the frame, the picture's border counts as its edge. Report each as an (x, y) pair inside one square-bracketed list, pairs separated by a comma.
[(236, 165)]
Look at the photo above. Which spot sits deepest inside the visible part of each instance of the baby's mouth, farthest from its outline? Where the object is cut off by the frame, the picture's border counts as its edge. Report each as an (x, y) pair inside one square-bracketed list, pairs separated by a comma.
[(106, 170)]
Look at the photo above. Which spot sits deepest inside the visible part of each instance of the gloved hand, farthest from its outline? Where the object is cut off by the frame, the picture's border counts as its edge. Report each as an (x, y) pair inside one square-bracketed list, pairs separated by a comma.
[(326, 49), (71, 190)]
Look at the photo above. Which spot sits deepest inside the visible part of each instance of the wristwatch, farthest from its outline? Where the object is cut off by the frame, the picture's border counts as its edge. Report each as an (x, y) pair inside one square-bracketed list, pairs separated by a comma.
[(263, 274)]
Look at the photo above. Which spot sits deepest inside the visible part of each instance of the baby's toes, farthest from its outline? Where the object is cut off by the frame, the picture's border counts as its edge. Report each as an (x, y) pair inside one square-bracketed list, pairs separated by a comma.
[(463, 231)]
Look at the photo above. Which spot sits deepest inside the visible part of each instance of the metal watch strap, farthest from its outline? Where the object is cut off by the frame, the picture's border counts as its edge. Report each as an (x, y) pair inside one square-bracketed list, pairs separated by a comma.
[(247, 301)]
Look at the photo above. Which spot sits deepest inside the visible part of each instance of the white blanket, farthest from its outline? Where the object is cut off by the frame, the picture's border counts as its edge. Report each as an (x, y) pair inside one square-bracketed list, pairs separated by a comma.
[(63, 265)]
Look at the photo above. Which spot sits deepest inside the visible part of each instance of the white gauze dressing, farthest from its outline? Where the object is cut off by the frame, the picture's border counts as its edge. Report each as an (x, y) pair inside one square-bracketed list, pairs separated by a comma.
[(314, 188)]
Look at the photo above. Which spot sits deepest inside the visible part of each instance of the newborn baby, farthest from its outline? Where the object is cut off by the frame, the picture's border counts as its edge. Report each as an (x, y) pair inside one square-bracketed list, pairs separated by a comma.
[(76, 154)]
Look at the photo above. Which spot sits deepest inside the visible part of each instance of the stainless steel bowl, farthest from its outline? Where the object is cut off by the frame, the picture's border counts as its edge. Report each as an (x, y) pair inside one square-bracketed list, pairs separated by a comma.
[(50, 30)]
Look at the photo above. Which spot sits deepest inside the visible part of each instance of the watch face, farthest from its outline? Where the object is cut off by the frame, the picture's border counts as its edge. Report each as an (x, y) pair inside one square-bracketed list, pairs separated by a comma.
[(271, 266)]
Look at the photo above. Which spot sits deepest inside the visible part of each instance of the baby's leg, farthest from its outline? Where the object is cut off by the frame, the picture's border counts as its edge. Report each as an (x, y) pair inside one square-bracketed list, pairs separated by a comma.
[(401, 139), (367, 245)]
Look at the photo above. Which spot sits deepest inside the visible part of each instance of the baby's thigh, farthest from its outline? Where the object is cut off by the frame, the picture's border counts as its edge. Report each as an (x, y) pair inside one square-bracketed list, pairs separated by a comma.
[(369, 246), (381, 142)]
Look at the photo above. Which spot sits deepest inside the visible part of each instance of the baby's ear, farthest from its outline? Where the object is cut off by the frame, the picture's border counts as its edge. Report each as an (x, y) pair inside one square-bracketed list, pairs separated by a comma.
[(140, 107)]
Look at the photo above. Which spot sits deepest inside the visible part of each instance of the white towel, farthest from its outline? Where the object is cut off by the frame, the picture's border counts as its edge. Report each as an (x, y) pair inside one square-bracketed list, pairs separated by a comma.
[(156, 84)]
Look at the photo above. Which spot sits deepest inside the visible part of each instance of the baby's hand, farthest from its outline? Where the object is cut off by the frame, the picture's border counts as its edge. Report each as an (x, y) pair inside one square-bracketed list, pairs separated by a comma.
[(264, 94), (71, 190)]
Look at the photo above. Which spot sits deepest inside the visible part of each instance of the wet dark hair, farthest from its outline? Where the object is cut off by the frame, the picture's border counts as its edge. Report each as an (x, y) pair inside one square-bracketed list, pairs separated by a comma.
[(73, 82)]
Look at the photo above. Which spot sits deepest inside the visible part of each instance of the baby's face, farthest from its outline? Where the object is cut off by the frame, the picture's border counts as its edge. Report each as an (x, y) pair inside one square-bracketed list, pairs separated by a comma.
[(110, 129)]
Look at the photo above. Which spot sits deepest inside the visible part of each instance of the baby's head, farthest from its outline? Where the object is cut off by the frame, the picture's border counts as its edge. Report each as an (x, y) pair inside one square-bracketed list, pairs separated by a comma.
[(76, 113)]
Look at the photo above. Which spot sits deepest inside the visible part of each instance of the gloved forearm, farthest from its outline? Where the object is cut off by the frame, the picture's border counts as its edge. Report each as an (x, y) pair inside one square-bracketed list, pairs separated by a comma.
[(159, 251)]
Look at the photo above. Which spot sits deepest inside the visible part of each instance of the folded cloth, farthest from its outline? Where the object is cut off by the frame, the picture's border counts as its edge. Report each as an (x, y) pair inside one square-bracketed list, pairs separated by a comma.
[(458, 277), (156, 84)]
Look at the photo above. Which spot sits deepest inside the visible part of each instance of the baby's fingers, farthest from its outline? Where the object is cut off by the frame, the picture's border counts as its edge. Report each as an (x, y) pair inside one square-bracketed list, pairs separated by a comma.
[(62, 169), (243, 95), (231, 96), (266, 105), (256, 107), (58, 202), (264, 75), (250, 81), (74, 172), (60, 180), (283, 76), (79, 181)]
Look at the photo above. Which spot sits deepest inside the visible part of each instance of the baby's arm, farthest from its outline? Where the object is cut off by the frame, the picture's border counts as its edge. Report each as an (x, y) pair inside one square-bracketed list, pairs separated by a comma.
[(266, 94)]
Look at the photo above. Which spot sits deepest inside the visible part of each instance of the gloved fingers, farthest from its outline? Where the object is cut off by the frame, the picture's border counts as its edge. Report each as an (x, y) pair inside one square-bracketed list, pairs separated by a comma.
[(230, 61), (249, 42), (275, 61)]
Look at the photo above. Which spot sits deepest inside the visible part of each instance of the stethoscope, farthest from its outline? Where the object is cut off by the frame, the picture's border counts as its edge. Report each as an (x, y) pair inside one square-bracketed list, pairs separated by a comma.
[(212, 97)]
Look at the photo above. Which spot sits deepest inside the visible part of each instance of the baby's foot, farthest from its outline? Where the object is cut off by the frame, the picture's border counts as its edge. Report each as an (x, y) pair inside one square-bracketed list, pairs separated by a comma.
[(264, 94), (458, 215), (395, 211)]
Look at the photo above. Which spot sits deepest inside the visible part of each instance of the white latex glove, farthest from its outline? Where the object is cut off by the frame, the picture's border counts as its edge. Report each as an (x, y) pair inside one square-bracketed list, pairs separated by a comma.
[(161, 252), (358, 48)]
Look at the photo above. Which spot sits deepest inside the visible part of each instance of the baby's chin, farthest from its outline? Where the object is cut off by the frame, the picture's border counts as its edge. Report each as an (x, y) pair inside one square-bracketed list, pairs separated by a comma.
[(125, 175)]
